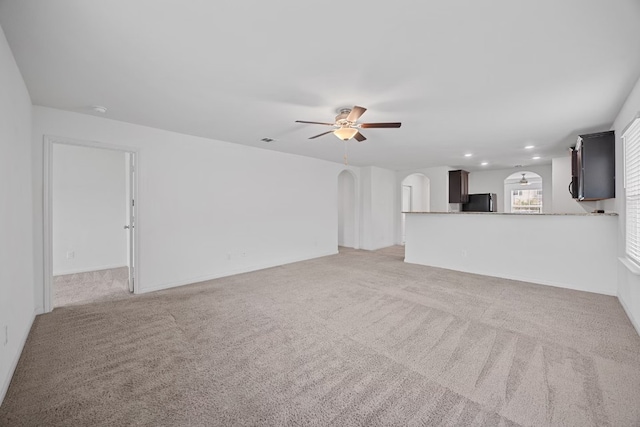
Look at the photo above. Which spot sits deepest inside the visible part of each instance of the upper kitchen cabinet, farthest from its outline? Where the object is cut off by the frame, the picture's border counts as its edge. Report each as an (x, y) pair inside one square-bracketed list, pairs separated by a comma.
[(593, 167), (458, 186)]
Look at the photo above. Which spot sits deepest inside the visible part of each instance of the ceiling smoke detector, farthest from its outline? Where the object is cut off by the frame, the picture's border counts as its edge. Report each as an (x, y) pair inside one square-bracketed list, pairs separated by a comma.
[(99, 109)]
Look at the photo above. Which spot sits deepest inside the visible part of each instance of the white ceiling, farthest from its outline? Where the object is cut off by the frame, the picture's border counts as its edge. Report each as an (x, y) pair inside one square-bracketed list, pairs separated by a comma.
[(486, 77)]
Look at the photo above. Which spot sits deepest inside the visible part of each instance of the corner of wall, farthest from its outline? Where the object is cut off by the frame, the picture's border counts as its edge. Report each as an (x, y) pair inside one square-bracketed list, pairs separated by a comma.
[(16, 272)]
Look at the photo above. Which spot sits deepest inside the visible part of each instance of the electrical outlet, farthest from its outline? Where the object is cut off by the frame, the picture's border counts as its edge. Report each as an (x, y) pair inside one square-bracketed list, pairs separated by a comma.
[(71, 254)]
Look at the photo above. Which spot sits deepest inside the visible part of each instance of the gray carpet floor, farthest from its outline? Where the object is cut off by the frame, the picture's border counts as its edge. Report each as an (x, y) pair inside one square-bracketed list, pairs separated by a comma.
[(355, 339), (92, 286)]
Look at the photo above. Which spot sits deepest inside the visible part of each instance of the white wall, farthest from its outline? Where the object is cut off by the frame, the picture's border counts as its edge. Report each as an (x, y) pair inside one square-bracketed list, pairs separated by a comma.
[(16, 237), (207, 208), (628, 280), (575, 252), (492, 181), (89, 209), (347, 210), (378, 187)]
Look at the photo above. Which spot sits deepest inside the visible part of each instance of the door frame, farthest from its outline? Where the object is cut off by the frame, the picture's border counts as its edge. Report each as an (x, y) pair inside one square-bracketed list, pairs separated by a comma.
[(47, 202)]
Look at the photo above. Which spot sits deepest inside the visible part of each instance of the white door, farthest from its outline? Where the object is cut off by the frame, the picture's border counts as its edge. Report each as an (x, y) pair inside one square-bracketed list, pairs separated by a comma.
[(130, 227)]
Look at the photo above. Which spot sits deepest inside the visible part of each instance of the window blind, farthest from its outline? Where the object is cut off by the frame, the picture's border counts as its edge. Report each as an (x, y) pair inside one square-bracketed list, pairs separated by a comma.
[(631, 139)]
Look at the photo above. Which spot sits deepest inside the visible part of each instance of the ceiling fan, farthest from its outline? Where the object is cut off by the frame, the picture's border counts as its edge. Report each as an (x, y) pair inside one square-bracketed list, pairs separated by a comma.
[(346, 126)]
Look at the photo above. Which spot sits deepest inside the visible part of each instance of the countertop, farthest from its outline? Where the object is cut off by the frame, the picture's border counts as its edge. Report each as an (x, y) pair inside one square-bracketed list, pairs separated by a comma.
[(519, 214)]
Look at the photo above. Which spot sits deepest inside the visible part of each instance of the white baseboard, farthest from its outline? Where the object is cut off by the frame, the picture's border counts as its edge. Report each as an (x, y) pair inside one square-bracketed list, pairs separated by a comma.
[(375, 248), (87, 270), (231, 272), (16, 358), (626, 309)]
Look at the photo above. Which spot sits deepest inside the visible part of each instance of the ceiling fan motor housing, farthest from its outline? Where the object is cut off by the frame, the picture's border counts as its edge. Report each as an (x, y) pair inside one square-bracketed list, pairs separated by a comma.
[(342, 116)]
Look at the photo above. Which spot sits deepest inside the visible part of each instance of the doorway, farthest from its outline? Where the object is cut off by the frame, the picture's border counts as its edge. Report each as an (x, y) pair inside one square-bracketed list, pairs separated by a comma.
[(90, 217), (523, 193), (347, 229), (415, 197)]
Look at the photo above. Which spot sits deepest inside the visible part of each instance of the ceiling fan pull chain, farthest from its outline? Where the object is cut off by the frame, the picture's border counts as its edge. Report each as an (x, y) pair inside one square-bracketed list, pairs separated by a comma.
[(346, 158)]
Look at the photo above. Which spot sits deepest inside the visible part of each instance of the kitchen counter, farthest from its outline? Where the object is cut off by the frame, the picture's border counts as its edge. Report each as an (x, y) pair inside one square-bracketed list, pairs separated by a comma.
[(575, 251), (519, 214)]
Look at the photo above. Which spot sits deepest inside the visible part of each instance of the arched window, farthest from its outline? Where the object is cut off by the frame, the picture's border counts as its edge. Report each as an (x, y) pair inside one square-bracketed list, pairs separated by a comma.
[(523, 193)]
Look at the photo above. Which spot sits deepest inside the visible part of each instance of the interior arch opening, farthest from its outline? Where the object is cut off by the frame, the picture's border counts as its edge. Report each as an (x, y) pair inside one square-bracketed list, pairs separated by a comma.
[(523, 193), (415, 197)]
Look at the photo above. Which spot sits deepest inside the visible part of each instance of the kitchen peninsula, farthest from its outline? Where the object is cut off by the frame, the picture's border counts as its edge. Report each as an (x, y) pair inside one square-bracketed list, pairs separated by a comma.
[(574, 251)]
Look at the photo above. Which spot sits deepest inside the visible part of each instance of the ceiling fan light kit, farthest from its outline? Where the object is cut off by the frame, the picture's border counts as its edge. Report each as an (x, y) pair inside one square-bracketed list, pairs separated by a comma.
[(345, 133), (347, 126)]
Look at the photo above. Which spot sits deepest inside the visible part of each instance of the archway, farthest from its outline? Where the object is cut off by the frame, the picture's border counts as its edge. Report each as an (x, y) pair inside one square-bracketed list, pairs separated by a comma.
[(346, 209), (523, 193), (415, 196)]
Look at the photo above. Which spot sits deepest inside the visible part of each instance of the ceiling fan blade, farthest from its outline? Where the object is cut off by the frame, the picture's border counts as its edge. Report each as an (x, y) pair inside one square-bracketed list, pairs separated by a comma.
[(314, 123), (380, 125), (355, 113), (360, 137), (321, 134)]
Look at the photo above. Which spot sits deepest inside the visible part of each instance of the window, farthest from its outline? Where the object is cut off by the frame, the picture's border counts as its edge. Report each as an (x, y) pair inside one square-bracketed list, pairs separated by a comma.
[(523, 193), (526, 201), (631, 138)]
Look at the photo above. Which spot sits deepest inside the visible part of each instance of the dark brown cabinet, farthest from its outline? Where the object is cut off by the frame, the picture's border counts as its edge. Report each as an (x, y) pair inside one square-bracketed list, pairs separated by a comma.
[(458, 186), (593, 167)]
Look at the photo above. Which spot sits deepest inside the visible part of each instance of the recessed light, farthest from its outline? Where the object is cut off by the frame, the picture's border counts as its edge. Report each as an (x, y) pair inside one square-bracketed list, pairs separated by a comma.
[(468, 155), (484, 163), (536, 157), (529, 147), (99, 109)]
